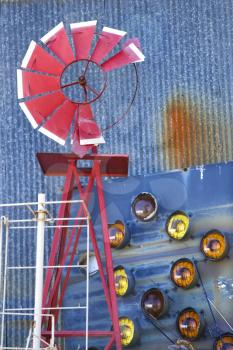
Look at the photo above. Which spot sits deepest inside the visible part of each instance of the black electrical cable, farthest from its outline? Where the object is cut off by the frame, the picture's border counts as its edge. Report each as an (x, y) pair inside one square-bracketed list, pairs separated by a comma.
[(154, 322), (205, 293)]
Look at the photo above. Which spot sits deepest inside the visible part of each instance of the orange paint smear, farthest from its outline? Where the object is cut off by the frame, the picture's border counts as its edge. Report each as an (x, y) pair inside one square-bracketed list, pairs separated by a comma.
[(182, 132)]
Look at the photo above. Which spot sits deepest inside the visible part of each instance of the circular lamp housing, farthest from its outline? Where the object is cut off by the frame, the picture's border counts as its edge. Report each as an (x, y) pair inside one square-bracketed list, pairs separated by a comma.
[(124, 281), (119, 236), (183, 273), (185, 344), (224, 342), (214, 245), (154, 303), (190, 324), (93, 265), (144, 207), (129, 331), (177, 225)]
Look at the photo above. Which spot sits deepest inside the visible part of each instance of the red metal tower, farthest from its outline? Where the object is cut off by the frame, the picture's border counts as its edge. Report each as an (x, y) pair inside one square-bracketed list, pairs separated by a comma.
[(55, 164)]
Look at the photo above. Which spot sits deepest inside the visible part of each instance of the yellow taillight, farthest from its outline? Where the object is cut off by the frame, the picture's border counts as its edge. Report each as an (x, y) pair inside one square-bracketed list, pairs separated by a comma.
[(214, 245), (116, 234), (224, 342), (177, 225), (127, 331), (189, 324), (183, 273), (121, 281)]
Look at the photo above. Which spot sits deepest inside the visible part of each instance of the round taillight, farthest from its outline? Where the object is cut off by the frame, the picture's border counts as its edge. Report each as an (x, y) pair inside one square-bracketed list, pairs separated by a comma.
[(186, 345), (119, 236), (224, 342), (124, 281), (144, 206), (93, 265), (190, 324), (214, 245), (177, 225), (154, 303), (129, 331), (183, 273)]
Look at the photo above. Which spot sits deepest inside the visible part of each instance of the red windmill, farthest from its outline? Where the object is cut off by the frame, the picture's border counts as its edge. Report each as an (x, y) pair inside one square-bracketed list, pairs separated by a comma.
[(57, 99), (49, 103)]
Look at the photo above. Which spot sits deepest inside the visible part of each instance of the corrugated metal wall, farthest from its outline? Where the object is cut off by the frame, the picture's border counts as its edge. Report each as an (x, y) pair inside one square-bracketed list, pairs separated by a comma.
[(183, 111)]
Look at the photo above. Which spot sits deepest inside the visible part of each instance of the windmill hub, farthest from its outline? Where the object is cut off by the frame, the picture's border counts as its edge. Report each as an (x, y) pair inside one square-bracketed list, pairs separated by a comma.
[(82, 80)]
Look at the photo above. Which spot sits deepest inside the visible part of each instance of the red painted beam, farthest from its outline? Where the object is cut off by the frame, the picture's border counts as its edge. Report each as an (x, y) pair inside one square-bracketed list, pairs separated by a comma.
[(56, 164)]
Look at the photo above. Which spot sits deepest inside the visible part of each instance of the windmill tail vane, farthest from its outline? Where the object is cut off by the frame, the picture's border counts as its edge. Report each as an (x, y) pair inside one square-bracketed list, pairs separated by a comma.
[(44, 97)]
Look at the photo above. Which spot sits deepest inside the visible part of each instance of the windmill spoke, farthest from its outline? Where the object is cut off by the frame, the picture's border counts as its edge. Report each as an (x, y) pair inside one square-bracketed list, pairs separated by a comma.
[(70, 84), (93, 90), (86, 68), (85, 93)]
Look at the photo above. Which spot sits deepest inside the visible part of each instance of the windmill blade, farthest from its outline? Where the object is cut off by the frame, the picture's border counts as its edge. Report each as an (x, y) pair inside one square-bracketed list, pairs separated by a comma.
[(37, 58), (85, 111), (57, 41), (37, 109), (108, 39), (30, 83), (81, 151), (58, 126), (89, 132), (83, 34), (129, 54)]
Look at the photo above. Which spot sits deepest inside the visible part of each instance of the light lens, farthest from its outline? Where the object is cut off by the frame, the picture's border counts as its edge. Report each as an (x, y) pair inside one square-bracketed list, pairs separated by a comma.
[(189, 324), (144, 206), (185, 344), (153, 303), (93, 265), (214, 245), (183, 273), (224, 342), (177, 225), (121, 281), (116, 234), (127, 331)]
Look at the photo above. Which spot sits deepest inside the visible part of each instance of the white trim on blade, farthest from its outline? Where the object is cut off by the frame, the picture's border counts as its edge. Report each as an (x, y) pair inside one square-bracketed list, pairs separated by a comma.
[(28, 114), (82, 24), (97, 141), (136, 50), (114, 31), (52, 136), (20, 83), (28, 55), (51, 33)]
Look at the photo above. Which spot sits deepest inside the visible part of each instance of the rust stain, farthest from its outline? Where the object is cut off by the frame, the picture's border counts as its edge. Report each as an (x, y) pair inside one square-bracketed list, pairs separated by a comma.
[(185, 135)]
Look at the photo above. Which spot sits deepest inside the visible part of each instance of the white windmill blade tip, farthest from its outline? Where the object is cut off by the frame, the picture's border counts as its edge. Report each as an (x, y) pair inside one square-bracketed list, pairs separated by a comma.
[(52, 32), (20, 83), (138, 52), (96, 141), (28, 54), (114, 31), (28, 114), (83, 24), (52, 136)]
